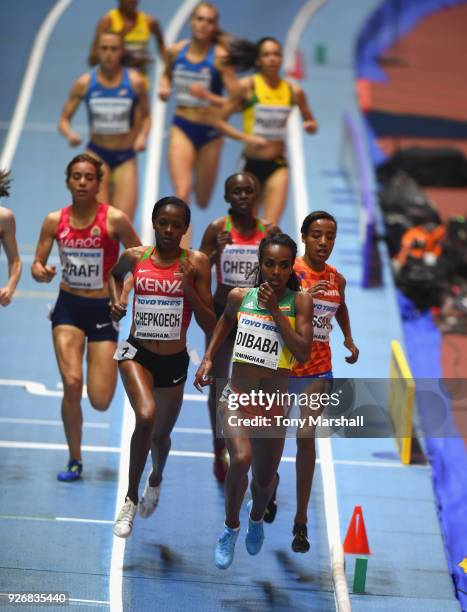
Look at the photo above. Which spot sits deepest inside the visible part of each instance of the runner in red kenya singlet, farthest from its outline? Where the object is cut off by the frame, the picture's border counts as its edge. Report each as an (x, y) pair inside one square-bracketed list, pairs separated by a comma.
[(170, 283)]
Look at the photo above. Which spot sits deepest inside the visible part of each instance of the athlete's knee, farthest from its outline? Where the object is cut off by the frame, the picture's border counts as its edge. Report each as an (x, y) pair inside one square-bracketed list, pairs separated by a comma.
[(145, 418), (72, 384), (240, 461), (100, 403), (202, 201)]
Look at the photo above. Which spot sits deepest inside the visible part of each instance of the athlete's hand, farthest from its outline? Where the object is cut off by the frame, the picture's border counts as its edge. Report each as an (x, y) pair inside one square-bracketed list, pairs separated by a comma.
[(118, 310), (267, 298), (349, 344), (310, 126), (199, 91), (188, 270), (202, 377), (5, 296), (139, 144), (74, 139), (164, 93), (222, 239), (320, 286), (255, 141), (43, 274)]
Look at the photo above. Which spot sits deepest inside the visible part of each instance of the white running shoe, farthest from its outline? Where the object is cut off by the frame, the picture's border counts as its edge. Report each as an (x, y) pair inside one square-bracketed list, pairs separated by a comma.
[(149, 500), (124, 523)]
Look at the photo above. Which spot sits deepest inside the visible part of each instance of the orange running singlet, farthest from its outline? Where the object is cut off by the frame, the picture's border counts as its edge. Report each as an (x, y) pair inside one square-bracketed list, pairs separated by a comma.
[(325, 307)]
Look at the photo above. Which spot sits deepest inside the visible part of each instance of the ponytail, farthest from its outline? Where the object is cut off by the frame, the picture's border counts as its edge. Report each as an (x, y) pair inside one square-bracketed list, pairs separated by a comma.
[(243, 54)]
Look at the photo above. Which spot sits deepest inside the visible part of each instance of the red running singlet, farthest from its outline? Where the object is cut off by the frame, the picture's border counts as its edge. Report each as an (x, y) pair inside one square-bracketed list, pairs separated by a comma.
[(86, 255), (237, 262), (160, 309)]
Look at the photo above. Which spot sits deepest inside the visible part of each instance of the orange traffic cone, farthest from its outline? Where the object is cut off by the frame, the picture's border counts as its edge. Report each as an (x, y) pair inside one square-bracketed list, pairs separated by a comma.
[(297, 71), (356, 541)]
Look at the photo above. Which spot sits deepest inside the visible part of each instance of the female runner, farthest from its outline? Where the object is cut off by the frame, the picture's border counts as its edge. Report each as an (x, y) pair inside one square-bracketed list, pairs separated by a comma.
[(274, 329), (88, 234), (170, 283)]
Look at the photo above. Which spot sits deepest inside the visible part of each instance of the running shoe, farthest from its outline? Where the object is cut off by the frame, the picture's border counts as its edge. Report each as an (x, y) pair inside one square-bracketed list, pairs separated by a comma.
[(300, 543), (226, 547), (124, 523), (220, 465), (271, 508), (255, 534), (72, 472), (148, 503)]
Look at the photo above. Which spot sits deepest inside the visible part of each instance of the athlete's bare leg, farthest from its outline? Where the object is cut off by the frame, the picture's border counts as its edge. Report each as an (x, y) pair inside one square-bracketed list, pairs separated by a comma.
[(101, 373), (273, 196), (125, 192), (207, 164), (169, 402), (69, 344)]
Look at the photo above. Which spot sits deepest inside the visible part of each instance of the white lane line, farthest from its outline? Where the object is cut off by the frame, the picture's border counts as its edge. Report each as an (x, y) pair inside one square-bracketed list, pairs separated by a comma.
[(49, 446), (90, 601), (192, 430), (29, 81), (71, 519), (58, 447), (301, 208), (156, 136), (49, 422), (41, 127), (60, 519), (36, 388), (150, 193)]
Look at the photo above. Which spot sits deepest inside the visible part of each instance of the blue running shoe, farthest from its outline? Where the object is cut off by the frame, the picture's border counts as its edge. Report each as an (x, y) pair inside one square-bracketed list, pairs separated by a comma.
[(255, 535), (226, 547), (73, 471)]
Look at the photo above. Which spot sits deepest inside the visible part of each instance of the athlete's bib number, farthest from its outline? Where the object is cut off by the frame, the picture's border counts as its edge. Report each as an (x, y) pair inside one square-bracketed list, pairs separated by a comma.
[(258, 342), (238, 264), (182, 79), (271, 121), (323, 312), (110, 115), (82, 268), (158, 317), (125, 350)]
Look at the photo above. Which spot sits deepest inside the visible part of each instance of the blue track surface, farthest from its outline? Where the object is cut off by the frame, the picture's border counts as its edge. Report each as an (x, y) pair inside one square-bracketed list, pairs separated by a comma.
[(168, 561)]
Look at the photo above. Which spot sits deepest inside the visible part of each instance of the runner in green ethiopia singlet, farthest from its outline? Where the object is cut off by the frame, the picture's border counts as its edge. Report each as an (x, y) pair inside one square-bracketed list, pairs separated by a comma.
[(258, 339)]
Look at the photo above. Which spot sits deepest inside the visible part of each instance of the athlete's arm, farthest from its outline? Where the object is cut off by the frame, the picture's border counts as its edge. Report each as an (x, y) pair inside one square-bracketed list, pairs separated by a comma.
[(343, 320), (155, 28), (8, 239), (220, 333), (165, 84), (121, 229), (77, 93), (125, 264), (214, 240), (298, 341), (103, 25), (143, 104), (40, 271), (309, 122), (197, 287)]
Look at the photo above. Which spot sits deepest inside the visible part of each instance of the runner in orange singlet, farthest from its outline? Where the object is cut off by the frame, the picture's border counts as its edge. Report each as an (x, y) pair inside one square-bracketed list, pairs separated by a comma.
[(327, 286)]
